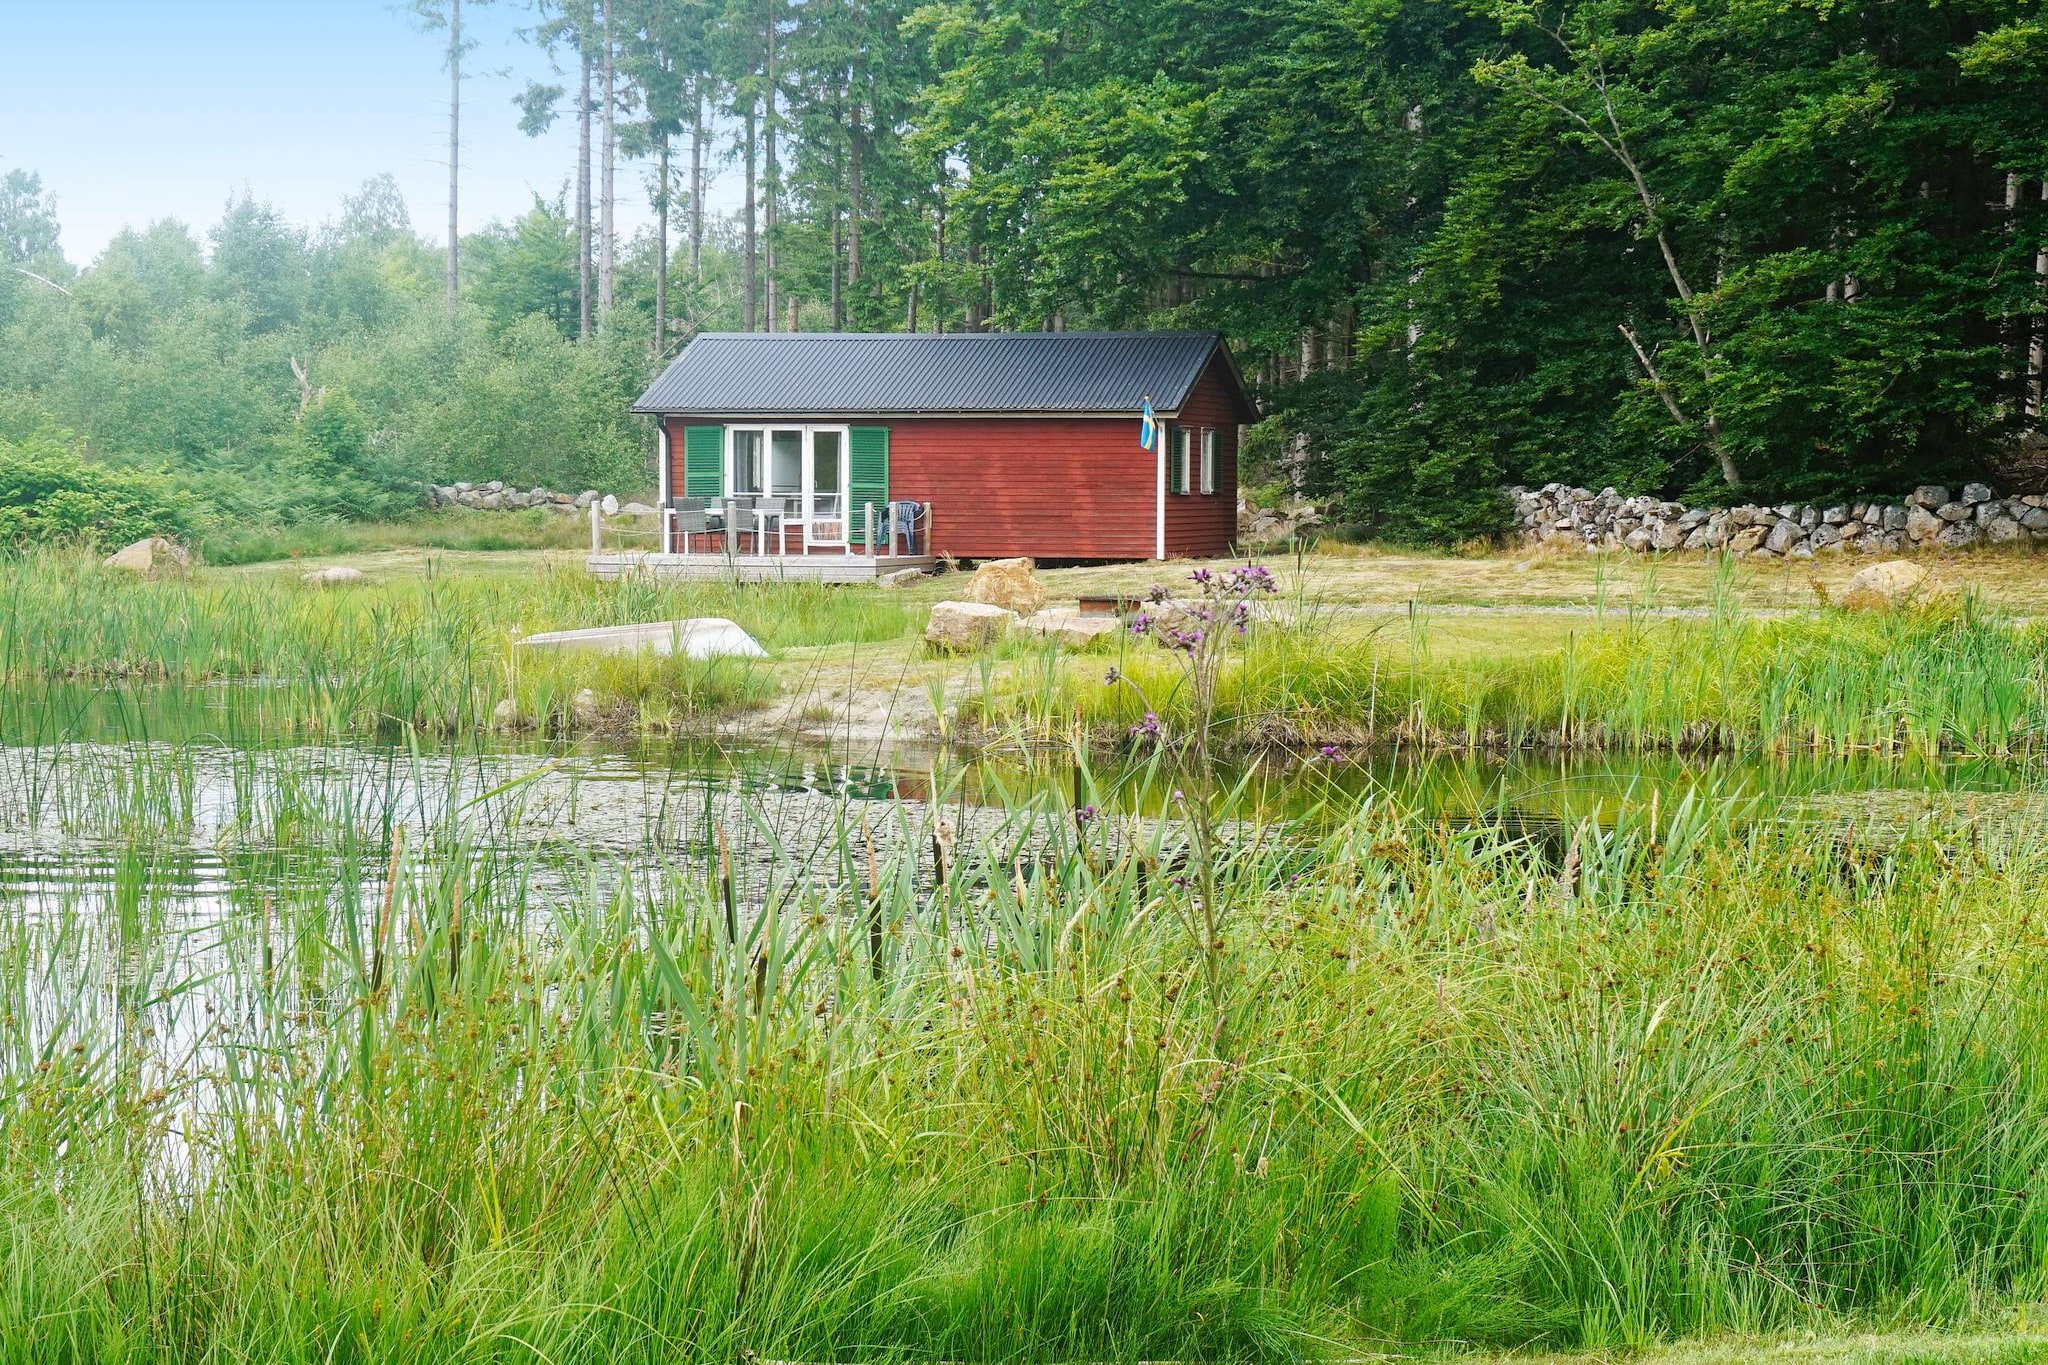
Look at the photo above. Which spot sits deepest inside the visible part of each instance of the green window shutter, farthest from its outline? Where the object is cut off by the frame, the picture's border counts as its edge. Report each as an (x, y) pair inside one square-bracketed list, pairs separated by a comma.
[(867, 481), (1177, 460), (703, 462)]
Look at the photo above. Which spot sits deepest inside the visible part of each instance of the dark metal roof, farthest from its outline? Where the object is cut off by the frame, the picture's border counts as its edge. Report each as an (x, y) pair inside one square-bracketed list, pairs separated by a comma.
[(857, 374)]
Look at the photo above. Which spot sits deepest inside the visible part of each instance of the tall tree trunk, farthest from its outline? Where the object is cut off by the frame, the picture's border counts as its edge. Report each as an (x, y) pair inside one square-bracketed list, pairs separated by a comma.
[(697, 185), (768, 172), (454, 150), (607, 236), (838, 245), (750, 245), (977, 315), (661, 247), (939, 260), (2037, 353), (854, 204), (583, 299)]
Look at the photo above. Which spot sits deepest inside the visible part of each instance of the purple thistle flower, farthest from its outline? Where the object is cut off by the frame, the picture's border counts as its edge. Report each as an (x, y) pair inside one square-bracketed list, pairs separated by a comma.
[(1330, 753), (1085, 816), (1148, 728)]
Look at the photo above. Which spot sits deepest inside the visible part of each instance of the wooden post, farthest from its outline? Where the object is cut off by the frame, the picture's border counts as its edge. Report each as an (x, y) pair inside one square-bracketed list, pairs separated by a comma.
[(870, 512), (596, 530)]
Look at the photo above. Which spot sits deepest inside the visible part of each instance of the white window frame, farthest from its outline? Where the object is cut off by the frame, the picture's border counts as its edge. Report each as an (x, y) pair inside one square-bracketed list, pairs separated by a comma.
[(1183, 455), (1212, 458), (807, 493)]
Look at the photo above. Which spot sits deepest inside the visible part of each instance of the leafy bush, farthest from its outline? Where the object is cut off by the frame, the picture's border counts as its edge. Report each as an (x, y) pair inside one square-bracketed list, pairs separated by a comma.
[(49, 491)]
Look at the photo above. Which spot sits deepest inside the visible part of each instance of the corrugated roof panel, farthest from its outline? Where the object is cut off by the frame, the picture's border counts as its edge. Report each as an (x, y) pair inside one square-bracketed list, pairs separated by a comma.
[(842, 373)]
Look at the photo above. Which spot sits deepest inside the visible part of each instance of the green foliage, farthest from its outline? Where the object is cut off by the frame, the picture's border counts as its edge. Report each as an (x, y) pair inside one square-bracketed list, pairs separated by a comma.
[(1432, 229), (28, 219), (1718, 250), (527, 268), (50, 492)]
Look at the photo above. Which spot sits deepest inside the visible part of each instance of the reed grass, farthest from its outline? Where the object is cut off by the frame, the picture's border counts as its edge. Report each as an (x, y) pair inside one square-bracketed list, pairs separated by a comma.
[(1953, 679), (428, 649), (439, 1096)]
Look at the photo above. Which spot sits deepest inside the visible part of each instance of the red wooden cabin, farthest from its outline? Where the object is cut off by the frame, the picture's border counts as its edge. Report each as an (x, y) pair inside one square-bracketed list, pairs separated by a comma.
[(852, 454)]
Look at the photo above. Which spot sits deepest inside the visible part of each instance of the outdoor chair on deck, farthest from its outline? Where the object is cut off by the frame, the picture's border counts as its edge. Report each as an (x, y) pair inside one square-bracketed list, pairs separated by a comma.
[(788, 513), (903, 517), (741, 519), (690, 517)]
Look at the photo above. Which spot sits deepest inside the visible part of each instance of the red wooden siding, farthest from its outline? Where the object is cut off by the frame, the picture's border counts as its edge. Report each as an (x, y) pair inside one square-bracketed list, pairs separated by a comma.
[(1053, 487), (1199, 524)]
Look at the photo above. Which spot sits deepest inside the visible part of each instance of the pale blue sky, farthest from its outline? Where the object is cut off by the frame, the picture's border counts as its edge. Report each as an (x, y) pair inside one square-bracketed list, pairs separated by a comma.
[(133, 110)]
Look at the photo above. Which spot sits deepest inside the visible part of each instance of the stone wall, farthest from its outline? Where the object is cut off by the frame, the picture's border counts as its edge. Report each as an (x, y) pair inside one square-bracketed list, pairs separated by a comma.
[(496, 497), (1929, 519)]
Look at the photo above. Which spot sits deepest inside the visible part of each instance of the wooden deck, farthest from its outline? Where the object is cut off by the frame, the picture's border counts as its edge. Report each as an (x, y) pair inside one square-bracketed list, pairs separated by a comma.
[(814, 568)]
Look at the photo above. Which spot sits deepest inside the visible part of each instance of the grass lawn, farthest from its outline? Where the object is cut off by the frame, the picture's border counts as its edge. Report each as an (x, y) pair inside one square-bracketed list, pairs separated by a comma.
[(2014, 580), (1397, 647)]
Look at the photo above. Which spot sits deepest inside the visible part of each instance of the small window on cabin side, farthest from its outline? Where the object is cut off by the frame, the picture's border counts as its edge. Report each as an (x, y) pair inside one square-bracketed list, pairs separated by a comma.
[(1177, 470), (1212, 457)]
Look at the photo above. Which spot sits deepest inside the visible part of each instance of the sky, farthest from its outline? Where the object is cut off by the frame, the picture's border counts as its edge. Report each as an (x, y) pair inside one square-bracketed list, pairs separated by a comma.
[(135, 110)]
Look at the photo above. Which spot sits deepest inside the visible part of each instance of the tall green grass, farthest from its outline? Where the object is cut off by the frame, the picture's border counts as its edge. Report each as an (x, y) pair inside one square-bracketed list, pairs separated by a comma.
[(444, 529), (427, 649), (1953, 680), (440, 1098)]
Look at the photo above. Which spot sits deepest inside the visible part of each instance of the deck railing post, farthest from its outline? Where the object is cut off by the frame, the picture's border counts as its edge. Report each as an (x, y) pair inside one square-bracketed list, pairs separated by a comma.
[(668, 530), (869, 511), (596, 530)]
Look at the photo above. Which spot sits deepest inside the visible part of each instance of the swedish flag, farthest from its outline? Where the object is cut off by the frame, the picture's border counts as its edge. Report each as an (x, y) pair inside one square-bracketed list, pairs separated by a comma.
[(1148, 427)]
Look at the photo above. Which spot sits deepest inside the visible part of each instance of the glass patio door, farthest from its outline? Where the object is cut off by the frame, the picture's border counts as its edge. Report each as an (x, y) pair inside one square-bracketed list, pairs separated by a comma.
[(825, 495)]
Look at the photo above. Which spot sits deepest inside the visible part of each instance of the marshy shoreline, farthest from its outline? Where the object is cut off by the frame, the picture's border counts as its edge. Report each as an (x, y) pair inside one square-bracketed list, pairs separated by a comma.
[(328, 1014)]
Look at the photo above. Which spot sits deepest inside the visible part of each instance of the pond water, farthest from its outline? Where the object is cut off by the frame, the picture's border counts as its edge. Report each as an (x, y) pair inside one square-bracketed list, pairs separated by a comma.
[(165, 876), (169, 789), (198, 768)]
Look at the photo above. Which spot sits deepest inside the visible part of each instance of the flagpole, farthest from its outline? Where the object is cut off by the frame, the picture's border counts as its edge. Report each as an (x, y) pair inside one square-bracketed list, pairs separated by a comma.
[(1158, 484)]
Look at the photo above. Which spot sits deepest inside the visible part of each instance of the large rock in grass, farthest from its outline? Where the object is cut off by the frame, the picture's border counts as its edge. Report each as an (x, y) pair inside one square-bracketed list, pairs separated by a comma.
[(697, 637), (1007, 583), (1069, 627), (1747, 540), (334, 576), (151, 558), (1888, 586), (964, 627)]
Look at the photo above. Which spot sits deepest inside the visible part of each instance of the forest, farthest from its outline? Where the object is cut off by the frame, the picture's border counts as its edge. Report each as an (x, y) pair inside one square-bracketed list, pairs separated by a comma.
[(1730, 250)]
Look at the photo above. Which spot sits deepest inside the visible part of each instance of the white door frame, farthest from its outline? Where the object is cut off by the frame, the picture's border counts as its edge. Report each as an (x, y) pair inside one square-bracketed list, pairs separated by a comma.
[(807, 490)]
